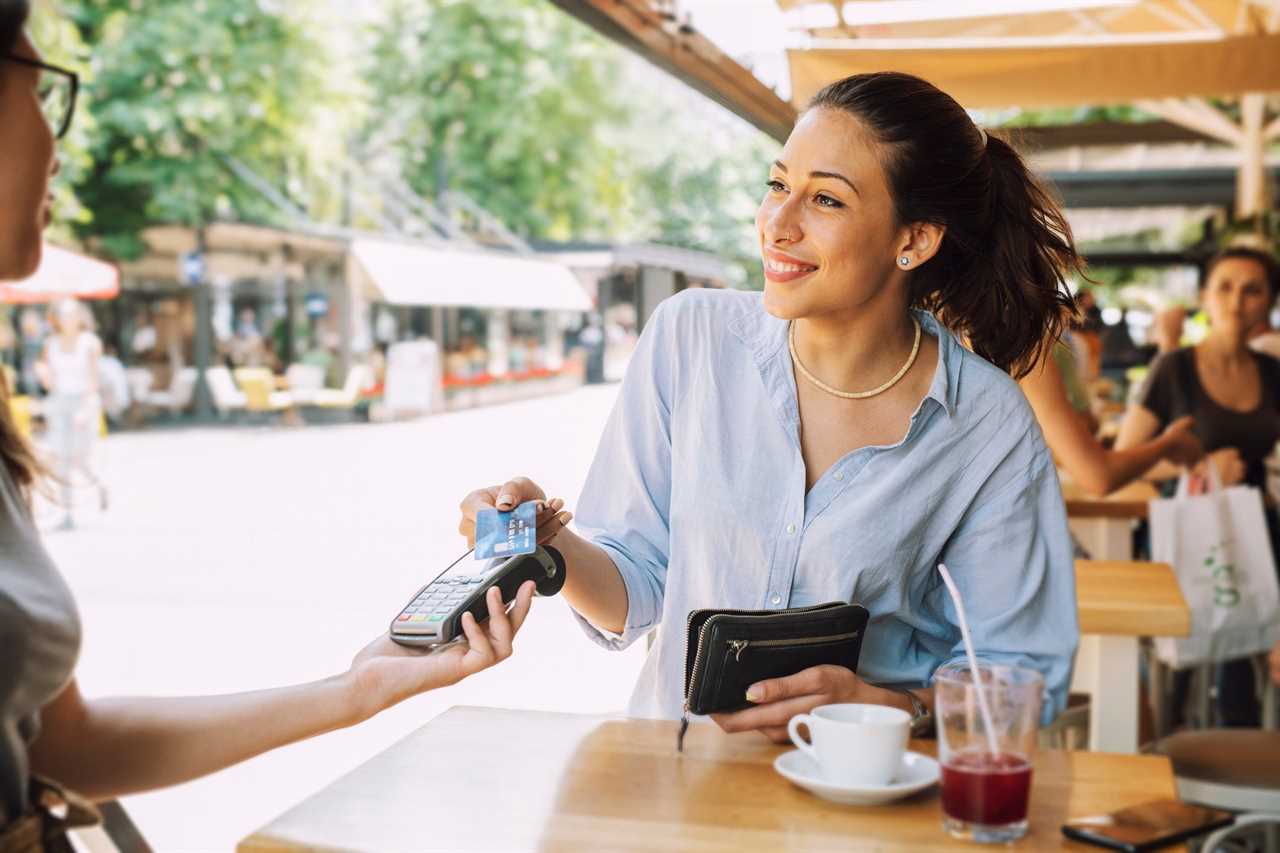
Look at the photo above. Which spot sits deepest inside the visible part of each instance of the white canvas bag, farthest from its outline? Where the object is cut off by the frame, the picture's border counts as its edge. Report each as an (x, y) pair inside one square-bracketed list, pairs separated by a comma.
[(1218, 545)]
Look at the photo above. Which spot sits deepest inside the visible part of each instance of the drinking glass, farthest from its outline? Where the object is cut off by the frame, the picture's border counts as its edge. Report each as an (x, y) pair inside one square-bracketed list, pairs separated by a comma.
[(985, 795)]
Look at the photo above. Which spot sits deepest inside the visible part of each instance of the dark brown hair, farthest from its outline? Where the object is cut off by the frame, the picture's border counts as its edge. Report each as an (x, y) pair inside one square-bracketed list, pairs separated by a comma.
[(1261, 257), (997, 279), (15, 451)]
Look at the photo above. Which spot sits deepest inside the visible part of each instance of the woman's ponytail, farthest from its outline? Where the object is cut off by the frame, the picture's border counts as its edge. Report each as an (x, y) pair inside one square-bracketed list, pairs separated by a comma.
[(998, 280)]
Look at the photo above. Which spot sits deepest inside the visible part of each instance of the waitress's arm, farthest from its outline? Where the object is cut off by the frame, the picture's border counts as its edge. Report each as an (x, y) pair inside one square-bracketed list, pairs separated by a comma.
[(107, 748)]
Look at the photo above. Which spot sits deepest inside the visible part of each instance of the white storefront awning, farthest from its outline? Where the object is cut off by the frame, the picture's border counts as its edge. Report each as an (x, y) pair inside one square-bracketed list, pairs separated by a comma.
[(405, 274)]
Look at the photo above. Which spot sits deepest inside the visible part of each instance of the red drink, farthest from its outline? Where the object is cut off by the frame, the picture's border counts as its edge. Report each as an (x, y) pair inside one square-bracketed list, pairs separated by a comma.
[(981, 788)]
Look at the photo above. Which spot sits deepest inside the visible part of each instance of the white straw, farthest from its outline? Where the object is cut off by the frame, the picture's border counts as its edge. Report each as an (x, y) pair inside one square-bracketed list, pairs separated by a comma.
[(983, 708)]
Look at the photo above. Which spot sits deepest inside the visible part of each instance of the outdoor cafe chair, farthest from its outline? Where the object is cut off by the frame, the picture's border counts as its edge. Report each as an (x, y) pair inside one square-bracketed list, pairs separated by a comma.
[(227, 398), (348, 395), (258, 385), (306, 381), (177, 396)]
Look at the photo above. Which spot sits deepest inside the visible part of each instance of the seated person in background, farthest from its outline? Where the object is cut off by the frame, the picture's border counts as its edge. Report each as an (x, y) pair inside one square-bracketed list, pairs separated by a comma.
[(1094, 468), (1233, 395)]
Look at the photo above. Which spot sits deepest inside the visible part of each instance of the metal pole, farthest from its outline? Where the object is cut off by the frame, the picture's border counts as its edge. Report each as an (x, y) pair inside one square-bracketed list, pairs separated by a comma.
[(204, 335)]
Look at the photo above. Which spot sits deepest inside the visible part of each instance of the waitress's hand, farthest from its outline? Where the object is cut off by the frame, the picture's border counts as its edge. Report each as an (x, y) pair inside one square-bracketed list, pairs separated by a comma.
[(386, 673), (1181, 446), (550, 519), (777, 700)]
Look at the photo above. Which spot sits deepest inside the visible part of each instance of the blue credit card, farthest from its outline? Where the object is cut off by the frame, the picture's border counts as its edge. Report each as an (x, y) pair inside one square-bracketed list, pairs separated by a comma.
[(506, 534)]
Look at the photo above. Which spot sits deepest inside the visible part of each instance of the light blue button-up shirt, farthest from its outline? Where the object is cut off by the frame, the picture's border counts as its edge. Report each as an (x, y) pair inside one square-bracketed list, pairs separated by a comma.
[(697, 493)]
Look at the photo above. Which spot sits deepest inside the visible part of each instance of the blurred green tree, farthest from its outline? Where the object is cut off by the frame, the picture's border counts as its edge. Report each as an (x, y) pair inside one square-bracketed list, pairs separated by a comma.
[(174, 89), (506, 101)]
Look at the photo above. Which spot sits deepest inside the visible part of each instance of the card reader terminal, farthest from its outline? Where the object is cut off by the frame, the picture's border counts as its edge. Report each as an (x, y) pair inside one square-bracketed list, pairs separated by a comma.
[(434, 614)]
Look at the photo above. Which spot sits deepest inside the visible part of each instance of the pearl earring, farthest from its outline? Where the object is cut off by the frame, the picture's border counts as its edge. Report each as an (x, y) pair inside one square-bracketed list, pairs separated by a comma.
[(904, 260)]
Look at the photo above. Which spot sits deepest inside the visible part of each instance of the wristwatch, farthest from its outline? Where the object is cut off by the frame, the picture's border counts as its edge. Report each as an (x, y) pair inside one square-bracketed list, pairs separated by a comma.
[(921, 716)]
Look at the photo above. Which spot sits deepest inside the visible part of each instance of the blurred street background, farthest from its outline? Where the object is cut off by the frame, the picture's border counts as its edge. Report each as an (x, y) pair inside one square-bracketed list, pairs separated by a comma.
[(251, 558)]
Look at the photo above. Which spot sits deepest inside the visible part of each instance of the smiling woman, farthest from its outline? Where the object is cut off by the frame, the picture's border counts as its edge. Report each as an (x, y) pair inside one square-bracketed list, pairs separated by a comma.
[(833, 439)]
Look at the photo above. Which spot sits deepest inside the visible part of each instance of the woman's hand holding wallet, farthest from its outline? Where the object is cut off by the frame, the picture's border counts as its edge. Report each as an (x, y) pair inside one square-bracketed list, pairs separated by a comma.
[(777, 700)]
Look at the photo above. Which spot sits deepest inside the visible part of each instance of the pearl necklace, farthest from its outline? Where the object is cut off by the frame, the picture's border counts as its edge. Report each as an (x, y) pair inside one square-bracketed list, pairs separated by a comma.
[(853, 395)]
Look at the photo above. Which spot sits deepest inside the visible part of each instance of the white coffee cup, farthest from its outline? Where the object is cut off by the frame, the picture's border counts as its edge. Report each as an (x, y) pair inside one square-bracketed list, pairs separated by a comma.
[(854, 744)]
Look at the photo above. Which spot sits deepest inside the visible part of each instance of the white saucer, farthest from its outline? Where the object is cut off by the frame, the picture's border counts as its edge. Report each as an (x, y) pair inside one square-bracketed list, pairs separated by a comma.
[(918, 772)]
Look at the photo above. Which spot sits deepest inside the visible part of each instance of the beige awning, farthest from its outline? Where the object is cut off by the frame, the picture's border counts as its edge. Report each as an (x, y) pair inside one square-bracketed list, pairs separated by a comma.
[(1024, 76), (411, 274), (1040, 53)]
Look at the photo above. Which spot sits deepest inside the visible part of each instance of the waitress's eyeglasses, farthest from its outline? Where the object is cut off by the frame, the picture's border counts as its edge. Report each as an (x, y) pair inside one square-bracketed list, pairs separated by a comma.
[(57, 91)]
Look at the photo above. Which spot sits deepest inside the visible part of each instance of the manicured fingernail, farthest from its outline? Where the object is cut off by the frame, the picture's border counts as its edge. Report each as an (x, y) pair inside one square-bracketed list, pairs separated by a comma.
[(566, 518), (506, 500), (557, 504), (753, 694)]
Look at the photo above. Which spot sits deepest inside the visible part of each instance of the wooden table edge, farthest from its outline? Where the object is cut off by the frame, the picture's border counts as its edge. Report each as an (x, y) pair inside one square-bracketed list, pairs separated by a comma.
[(1171, 618)]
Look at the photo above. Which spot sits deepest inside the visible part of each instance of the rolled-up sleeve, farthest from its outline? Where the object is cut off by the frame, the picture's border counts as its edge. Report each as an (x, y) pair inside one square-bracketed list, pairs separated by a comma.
[(625, 505), (1011, 559)]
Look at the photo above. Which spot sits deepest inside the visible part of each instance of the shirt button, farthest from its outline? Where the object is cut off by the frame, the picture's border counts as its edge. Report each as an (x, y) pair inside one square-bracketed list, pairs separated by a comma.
[(777, 599), (791, 530), (839, 475)]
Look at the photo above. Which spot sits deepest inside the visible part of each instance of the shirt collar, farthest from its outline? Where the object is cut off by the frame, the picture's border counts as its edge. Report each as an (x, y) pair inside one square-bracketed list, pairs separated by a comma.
[(765, 336)]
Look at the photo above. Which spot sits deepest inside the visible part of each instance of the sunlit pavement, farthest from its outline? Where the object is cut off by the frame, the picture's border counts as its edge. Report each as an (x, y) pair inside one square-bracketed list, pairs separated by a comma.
[(242, 558)]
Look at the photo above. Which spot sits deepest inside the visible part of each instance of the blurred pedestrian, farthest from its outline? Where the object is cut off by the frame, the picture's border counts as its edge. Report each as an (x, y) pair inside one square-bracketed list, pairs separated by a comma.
[(68, 369)]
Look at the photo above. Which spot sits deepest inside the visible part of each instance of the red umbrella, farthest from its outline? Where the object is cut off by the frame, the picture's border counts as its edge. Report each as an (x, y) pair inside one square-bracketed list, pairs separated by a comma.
[(64, 273)]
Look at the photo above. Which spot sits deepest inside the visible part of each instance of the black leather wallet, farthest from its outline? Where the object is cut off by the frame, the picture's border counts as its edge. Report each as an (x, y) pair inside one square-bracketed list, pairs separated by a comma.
[(729, 650)]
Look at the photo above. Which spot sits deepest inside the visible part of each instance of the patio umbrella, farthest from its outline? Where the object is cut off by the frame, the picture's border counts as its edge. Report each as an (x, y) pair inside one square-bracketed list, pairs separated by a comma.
[(63, 273)]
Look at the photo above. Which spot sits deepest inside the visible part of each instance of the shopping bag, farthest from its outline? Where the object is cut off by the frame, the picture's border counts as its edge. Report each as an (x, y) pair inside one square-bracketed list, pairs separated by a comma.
[(1218, 545)]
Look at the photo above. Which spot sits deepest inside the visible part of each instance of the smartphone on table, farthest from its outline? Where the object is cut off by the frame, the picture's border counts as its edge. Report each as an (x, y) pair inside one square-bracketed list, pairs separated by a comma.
[(1149, 826)]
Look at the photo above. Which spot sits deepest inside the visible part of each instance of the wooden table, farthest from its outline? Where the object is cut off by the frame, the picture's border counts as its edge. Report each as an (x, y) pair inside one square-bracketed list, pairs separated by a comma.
[(1120, 601), (478, 779), (1104, 525)]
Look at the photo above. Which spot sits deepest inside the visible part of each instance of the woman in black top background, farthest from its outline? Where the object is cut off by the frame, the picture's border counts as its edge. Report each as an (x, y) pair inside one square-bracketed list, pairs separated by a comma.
[(1233, 393)]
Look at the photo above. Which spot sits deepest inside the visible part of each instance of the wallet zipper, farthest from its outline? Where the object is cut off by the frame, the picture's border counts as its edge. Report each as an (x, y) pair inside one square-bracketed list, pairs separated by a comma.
[(702, 635), (740, 646)]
